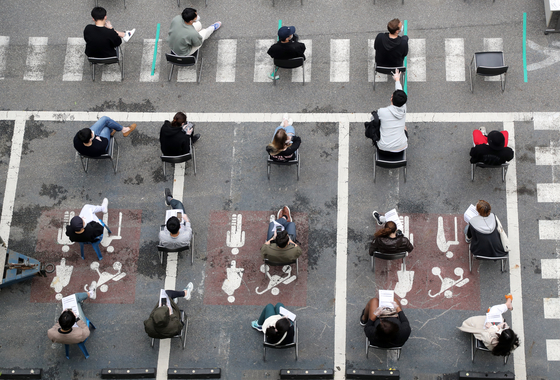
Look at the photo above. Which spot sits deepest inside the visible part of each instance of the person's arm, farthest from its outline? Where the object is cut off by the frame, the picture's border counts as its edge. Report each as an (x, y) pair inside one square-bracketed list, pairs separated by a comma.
[(373, 246), (272, 238), (397, 79), (85, 330), (409, 246), (296, 141), (186, 218)]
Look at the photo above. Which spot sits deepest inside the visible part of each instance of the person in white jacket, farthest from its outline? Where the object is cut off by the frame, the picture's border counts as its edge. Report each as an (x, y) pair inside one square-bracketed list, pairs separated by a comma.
[(394, 135)]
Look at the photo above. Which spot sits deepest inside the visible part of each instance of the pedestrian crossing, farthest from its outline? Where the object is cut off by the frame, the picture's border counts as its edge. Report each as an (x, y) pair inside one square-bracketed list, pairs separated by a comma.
[(226, 63)]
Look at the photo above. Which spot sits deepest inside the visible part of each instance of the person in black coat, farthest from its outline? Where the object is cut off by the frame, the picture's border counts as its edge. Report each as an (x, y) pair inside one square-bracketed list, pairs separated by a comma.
[(175, 136), (491, 149), (79, 232), (288, 46), (101, 39), (385, 327), (390, 48)]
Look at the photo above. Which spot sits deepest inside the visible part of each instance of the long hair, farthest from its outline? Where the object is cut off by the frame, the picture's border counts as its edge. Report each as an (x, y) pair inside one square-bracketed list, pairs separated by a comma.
[(278, 142), (276, 332), (179, 119), (387, 230), (507, 342)]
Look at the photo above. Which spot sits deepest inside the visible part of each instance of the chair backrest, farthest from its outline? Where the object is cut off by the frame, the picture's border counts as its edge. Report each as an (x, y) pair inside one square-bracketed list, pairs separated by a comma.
[(177, 159), (179, 60), (106, 61), (390, 256), (275, 264), (489, 63), (491, 71), (483, 165), (290, 161), (109, 153), (390, 159), (291, 63), (161, 248), (389, 70)]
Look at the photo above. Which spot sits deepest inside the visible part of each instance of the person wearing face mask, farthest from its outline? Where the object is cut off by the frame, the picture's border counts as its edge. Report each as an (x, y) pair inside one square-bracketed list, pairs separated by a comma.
[(390, 48), (288, 46)]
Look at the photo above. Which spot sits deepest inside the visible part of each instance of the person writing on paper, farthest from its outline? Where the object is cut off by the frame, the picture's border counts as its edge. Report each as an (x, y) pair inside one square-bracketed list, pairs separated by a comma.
[(177, 233), (175, 137), (388, 239), (285, 142), (64, 330), (385, 327), (492, 330), (482, 233), (279, 246), (278, 329), (165, 320)]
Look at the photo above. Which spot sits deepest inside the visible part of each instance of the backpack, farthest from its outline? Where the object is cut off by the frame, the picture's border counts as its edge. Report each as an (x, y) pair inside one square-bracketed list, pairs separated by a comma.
[(373, 126)]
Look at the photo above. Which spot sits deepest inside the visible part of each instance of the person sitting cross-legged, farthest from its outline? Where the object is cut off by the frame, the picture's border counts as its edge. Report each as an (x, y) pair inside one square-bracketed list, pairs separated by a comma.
[(177, 233), (279, 246), (94, 141)]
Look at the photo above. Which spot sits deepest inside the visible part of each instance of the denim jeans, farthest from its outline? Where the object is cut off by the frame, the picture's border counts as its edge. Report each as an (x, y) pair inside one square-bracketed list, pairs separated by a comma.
[(177, 205), (104, 126), (290, 228), (269, 311), (80, 298)]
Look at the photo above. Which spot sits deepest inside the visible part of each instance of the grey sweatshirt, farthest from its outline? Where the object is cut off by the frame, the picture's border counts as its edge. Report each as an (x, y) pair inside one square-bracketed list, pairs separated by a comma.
[(392, 120), (482, 224)]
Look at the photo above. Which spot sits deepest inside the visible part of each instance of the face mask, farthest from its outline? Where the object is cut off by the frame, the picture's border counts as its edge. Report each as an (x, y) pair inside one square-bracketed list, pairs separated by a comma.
[(402, 29)]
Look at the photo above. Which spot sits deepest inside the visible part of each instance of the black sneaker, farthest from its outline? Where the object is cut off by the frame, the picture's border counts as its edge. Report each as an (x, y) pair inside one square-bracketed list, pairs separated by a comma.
[(362, 323), (377, 218), (168, 196), (195, 138)]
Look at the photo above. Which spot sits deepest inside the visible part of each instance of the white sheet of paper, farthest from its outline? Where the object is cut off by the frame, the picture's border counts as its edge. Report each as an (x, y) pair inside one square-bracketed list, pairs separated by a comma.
[(386, 298), (287, 313), (170, 213), (470, 213), (494, 318), (393, 216), (163, 294), (70, 302)]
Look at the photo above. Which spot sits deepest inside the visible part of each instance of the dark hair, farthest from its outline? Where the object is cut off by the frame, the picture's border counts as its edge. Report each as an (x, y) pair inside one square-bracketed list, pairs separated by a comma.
[(66, 319), (393, 25), (282, 239), (179, 119), (483, 208), (399, 98), (84, 135), (507, 342), (278, 142), (387, 229), (98, 13), (188, 14), (275, 333), (386, 330), (173, 224)]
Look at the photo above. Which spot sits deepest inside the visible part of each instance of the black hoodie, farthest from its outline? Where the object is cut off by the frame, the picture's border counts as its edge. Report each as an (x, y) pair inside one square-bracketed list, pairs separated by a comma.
[(390, 52), (174, 142)]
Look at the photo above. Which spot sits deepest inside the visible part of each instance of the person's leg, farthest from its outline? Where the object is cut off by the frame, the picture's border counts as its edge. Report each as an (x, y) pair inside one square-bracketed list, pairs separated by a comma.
[(104, 126), (205, 33), (175, 293), (506, 136), (278, 306), (177, 205), (270, 232), (371, 306), (268, 311), (88, 213), (479, 138), (291, 230), (81, 297)]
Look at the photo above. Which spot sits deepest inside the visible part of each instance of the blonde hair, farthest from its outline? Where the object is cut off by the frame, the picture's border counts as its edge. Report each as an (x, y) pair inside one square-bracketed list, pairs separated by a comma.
[(278, 142)]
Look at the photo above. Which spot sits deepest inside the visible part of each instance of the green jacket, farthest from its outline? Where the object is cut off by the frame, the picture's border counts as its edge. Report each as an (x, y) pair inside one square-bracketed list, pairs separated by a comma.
[(161, 325)]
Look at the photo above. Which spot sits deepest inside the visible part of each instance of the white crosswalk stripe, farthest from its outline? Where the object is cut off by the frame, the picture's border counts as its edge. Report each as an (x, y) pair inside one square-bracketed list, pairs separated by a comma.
[(297, 74), (493, 44), (4, 42), (227, 60), (455, 59), (263, 62), (147, 61), (416, 62), (548, 192), (547, 155), (340, 60), (74, 60), (36, 58)]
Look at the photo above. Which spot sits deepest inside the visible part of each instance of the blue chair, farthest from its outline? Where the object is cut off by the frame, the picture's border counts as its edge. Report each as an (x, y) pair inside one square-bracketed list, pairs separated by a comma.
[(81, 345), (95, 244)]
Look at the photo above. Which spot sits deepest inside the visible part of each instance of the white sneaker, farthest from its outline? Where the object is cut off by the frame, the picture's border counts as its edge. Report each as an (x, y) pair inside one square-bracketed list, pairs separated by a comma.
[(285, 120), (217, 25), (104, 205), (128, 34), (188, 289), (483, 130)]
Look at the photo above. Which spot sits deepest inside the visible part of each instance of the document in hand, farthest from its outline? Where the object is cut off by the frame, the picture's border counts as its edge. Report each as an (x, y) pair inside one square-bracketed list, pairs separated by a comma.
[(386, 298), (162, 295), (470, 213), (170, 213), (393, 216), (70, 302), (287, 313)]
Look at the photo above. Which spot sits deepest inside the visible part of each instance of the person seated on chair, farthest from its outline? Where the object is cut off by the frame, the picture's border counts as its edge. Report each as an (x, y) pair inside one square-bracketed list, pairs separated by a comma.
[(94, 141), (491, 149), (165, 321), (482, 233), (390, 48), (86, 228), (279, 246), (186, 34), (175, 137), (177, 233), (288, 45), (101, 39), (284, 142), (384, 326), (388, 239), (393, 131), (279, 330), (492, 330), (64, 330)]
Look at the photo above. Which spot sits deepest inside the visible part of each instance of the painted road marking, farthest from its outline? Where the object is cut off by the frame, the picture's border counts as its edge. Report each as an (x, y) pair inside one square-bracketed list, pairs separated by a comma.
[(297, 74), (493, 44), (416, 68), (553, 349), (148, 59), (544, 121), (263, 63), (226, 62), (549, 229), (36, 58), (548, 192), (547, 155), (371, 63), (4, 42), (74, 60), (455, 59), (340, 60), (186, 73)]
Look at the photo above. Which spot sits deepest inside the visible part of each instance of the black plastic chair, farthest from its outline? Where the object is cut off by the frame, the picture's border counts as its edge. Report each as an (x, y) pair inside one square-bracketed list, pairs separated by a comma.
[(480, 257), (283, 346), (489, 64), (478, 345), (369, 345), (179, 159), (388, 256), (163, 251), (183, 334), (295, 161), (292, 63), (389, 160), (503, 166), (387, 71), (189, 60), (113, 146), (118, 58)]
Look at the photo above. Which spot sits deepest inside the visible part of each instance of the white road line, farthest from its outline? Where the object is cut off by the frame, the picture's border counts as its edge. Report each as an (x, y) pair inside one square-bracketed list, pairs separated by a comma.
[(263, 62), (546, 121), (548, 192), (148, 59), (111, 73), (549, 229), (493, 44), (341, 251), (519, 363), (227, 56), (4, 42), (553, 349), (36, 58), (340, 60), (547, 155), (74, 59), (551, 308), (455, 59), (186, 74), (297, 74), (371, 63), (416, 66)]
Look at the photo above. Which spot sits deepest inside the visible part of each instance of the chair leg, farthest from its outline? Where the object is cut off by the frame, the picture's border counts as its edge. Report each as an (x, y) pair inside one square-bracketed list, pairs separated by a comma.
[(178, 3), (194, 159), (116, 166), (404, 173), (85, 166), (374, 75), (82, 250), (192, 248), (298, 168), (470, 259), (372, 263), (82, 347), (399, 350), (170, 70), (297, 267), (92, 72), (67, 350), (268, 170), (153, 340), (367, 343), (472, 348), (200, 71), (374, 167), (504, 170), (503, 82), (186, 329), (97, 251), (404, 263), (303, 68), (164, 169), (471, 75)]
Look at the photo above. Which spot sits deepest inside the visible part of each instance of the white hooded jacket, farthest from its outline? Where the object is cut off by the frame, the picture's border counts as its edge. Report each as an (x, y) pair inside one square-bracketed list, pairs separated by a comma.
[(393, 138)]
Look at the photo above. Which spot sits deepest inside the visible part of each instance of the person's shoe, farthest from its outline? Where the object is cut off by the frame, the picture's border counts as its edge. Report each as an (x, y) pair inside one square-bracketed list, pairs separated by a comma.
[(286, 213), (285, 120), (188, 291), (132, 128), (377, 218), (113, 132), (195, 138), (217, 25), (483, 130), (128, 34), (363, 324), (168, 196), (509, 296), (104, 205), (256, 326)]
